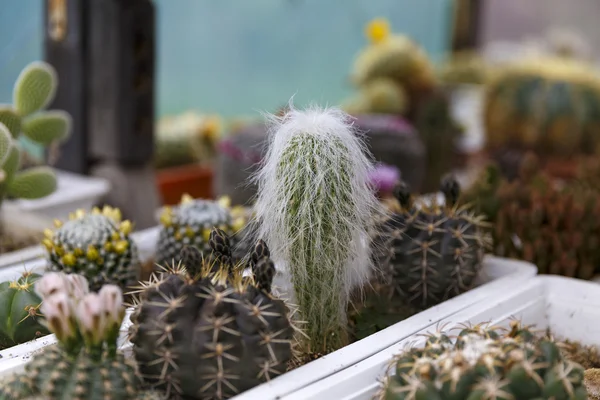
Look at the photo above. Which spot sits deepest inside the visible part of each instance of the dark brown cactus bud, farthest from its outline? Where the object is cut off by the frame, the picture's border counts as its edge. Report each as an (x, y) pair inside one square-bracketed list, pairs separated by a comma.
[(264, 272)]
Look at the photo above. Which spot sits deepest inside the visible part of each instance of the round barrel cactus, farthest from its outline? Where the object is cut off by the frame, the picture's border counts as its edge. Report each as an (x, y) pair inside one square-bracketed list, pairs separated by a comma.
[(204, 331), (97, 245), (190, 224), (20, 318), (436, 250), (550, 105), (485, 364)]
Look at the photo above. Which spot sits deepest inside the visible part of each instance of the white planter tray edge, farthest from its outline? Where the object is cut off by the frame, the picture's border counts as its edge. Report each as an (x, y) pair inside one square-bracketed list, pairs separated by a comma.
[(499, 275), (569, 307)]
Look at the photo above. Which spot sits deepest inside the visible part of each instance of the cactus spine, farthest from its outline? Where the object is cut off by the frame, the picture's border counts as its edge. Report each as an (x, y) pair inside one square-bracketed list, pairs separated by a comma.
[(34, 90), (314, 210)]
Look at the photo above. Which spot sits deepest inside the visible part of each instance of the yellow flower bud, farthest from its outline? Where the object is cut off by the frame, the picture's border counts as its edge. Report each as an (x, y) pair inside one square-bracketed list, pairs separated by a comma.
[(121, 246), (166, 217), (189, 232), (108, 246), (378, 30), (58, 223), (92, 253), (48, 233), (59, 249), (238, 224), (47, 243), (78, 252), (79, 213), (115, 236), (96, 211), (69, 259), (224, 201), (126, 227), (206, 234), (186, 198)]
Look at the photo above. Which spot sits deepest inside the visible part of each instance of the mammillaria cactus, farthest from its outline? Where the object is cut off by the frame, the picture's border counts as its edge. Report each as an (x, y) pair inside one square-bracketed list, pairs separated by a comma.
[(436, 250), (315, 209), (204, 331), (96, 245), (35, 88), (20, 318), (549, 105), (190, 224), (485, 364), (84, 364)]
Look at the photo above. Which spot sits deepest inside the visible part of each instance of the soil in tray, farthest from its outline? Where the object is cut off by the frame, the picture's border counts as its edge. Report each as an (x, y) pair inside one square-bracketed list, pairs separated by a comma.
[(9, 243)]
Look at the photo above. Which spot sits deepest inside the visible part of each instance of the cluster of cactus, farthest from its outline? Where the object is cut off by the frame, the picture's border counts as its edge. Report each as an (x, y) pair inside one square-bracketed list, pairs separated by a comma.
[(464, 67), (186, 139), (483, 364), (435, 251), (84, 364), (34, 90), (550, 105), (315, 208), (203, 330), (20, 316), (96, 245), (555, 228), (190, 224)]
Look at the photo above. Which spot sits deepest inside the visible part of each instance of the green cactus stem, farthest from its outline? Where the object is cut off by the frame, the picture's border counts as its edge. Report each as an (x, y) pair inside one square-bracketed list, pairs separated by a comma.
[(20, 318), (314, 210)]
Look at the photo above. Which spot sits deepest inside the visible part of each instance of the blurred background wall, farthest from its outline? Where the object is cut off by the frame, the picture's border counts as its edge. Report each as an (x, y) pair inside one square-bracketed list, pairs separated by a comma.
[(234, 57)]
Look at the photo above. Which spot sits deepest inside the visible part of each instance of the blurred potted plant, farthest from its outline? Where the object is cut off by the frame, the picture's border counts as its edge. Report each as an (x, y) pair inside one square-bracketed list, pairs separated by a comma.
[(185, 149)]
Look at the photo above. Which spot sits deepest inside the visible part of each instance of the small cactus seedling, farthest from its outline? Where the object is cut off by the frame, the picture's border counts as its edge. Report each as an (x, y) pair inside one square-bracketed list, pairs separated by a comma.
[(35, 88), (436, 251), (85, 363), (190, 224), (20, 316), (485, 364), (204, 331), (314, 209), (97, 245)]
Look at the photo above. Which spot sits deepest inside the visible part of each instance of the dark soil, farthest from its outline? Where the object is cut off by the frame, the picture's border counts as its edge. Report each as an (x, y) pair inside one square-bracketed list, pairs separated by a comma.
[(9, 243)]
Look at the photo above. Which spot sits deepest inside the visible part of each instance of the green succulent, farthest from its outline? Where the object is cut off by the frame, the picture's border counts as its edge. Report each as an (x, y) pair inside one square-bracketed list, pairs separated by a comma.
[(33, 91)]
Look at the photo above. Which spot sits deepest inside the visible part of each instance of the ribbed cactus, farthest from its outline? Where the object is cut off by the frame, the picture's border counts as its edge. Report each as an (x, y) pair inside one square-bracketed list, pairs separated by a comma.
[(314, 210), (190, 224), (97, 246), (485, 364), (20, 318), (436, 250), (85, 364), (204, 331), (34, 90)]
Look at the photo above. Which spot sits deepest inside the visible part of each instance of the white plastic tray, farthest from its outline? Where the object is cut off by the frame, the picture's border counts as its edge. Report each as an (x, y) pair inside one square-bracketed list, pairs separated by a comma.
[(499, 276), (569, 307), (74, 191)]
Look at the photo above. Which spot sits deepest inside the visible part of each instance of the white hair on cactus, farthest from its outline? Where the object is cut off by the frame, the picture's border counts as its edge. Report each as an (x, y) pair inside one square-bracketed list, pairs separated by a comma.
[(315, 209)]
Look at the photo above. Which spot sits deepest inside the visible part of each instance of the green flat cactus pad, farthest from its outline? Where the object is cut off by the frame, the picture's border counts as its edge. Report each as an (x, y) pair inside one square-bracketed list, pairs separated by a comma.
[(12, 163), (47, 127), (33, 183), (10, 118), (5, 143), (35, 88)]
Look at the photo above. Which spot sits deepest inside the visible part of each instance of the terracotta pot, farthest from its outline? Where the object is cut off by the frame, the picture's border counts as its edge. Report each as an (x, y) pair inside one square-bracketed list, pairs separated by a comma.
[(193, 179)]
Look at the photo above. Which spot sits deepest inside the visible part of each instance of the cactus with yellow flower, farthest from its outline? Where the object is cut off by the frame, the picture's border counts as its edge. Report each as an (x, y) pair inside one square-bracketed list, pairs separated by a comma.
[(190, 224), (20, 316), (96, 245)]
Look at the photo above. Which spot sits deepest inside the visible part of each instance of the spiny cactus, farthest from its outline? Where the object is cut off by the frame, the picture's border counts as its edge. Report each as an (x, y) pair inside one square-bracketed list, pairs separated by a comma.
[(97, 245), (379, 96), (436, 251), (315, 209), (190, 224), (204, 331), (393, 56), (20, 318), (34, 90), (556, 229), (85, 363), (549, 105), (485, 364), (464, 67)]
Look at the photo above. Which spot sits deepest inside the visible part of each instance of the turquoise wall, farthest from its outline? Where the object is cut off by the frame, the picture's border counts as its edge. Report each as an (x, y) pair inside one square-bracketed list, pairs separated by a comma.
[(238, 56)]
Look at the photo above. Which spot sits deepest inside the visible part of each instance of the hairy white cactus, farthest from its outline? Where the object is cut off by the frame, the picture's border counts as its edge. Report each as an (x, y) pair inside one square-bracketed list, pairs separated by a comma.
[(315, 209)]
